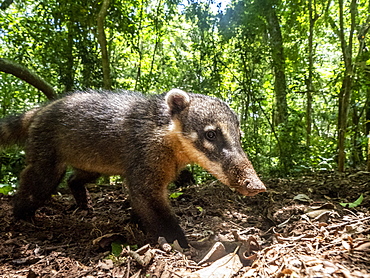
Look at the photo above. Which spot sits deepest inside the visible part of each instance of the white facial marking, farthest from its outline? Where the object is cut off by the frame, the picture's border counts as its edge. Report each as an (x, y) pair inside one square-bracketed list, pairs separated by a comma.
[(193, 136), (225, 133), (195, 155), (210, 127), (208, 145)]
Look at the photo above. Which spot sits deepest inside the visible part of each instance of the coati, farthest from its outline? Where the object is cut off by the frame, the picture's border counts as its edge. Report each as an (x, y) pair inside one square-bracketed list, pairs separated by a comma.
[(148, 140)]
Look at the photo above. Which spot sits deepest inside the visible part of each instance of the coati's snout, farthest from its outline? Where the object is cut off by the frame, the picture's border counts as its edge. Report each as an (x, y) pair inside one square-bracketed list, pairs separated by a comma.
[(244, 179), (209, 133), (238, 173), (251, 188)]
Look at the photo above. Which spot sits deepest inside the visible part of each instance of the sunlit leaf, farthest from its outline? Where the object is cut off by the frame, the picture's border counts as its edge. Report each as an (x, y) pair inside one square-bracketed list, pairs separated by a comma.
[(355, 203), (175, 195)]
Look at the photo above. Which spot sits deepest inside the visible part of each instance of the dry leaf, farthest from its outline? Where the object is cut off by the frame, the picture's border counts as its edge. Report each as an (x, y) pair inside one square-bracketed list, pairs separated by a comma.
[(223, 268), (216, 252), (365, 246)]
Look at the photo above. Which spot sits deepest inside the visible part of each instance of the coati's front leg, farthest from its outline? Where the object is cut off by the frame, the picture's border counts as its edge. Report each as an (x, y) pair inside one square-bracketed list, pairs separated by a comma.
[(76, 183), (149, 201)]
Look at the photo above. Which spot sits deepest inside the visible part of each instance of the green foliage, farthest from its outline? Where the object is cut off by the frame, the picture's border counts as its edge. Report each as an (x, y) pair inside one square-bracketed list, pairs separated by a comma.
[(199, 208), (200, 175), (196, 45), (11, 164), (6, 189), (175, 195), (354, 204), (116, 248)]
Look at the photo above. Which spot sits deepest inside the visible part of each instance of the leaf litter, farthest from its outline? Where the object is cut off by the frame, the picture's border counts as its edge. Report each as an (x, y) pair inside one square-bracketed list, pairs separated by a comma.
[(274, 234)]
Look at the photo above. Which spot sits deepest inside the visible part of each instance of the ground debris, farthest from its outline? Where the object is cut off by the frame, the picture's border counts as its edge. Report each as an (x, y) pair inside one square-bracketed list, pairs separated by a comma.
[(225, 267), (269, 235)]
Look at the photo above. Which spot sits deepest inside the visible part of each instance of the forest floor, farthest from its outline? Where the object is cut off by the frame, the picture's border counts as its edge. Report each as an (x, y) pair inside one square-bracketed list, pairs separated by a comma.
[(295, 229)]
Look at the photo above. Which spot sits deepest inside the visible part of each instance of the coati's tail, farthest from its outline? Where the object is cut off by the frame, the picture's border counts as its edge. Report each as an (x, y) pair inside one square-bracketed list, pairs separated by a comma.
[(14, 129)]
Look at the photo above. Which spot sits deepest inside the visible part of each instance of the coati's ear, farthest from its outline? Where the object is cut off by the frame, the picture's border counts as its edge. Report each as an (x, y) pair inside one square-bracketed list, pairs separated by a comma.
[(177, 100)]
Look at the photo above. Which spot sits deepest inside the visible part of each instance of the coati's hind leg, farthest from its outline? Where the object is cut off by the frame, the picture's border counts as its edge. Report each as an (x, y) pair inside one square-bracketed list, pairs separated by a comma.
[(76, 183), (37, 182)]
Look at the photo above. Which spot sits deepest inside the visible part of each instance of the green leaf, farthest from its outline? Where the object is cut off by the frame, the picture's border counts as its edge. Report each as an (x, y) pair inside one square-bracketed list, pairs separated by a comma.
[(6, 189), (354, 204), (116, 248), (175, 195)]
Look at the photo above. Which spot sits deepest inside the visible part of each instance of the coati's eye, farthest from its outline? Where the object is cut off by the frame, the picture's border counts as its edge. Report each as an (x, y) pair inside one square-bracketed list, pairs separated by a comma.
[(211, 135)]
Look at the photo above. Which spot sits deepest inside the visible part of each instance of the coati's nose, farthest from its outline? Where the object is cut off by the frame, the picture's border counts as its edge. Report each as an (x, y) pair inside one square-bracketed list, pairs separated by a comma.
[(253, 187)]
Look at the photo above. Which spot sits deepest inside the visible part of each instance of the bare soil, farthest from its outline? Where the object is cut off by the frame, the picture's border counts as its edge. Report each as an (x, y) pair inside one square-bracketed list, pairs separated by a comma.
[(278, 233)]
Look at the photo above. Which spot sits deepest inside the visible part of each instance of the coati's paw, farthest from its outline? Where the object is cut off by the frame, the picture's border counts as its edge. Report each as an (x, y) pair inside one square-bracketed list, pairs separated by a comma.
[(87, 206), (23, 215), (23, 209), (175, 235), (84, 210)]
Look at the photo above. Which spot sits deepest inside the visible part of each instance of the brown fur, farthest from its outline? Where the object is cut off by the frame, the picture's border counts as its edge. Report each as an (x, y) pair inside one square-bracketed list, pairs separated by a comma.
[(146, 140)]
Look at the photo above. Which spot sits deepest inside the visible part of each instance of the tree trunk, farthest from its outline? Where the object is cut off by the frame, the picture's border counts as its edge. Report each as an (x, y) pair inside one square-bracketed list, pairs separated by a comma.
[(29, 76), (309, 82), (368, 152), (107, 82), (362, 76), (346, 90), (278, 62), (139, 48), (367, 127), (69, 67), (343, 108), (280, 114)]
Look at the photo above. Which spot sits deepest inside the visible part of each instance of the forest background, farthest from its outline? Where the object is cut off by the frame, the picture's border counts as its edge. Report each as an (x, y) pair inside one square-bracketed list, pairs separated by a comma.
[(297, 72)]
